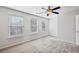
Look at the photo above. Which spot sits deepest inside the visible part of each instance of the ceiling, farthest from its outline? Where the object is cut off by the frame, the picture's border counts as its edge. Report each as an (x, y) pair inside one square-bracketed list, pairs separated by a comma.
[(37, 9)]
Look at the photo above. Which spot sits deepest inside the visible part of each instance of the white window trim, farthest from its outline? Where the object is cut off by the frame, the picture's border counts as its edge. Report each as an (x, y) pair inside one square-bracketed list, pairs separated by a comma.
[(19, 35), (42, 25), (37, 27)]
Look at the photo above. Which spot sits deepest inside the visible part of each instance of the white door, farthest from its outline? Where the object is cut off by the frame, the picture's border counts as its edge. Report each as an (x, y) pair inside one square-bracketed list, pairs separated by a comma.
[(77, 29)]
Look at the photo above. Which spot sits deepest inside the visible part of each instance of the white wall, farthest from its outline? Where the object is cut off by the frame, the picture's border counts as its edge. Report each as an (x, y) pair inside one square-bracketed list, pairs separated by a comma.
[(4, 28), (67, 26), (53, 25)]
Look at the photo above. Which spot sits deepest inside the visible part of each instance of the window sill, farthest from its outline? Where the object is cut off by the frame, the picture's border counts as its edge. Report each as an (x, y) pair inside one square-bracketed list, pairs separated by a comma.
[(33, 33), (15, 36)]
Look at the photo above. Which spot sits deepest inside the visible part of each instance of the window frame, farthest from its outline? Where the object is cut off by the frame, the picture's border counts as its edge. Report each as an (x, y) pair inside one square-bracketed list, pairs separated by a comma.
[(43, 24), (16, 35), (33, 19)]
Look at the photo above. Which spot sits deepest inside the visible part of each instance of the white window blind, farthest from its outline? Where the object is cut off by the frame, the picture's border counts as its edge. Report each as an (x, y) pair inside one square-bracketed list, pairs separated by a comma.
[(43, 26), (34, 25), (16, 26)]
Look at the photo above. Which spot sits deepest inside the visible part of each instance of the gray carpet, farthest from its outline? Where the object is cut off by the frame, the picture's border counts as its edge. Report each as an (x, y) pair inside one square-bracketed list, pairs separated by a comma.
[(44, 45)]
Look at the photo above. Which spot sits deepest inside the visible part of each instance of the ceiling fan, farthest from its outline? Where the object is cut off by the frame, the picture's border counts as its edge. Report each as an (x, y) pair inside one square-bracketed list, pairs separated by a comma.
[(50, 11)]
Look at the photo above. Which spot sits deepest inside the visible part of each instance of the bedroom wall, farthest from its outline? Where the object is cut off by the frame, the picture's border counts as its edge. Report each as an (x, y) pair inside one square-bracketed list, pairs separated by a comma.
[(53, 26), (4, 27), (67, 26)]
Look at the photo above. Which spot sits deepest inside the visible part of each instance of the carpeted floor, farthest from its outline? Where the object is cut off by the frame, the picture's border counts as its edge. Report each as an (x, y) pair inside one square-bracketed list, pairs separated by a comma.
[(44, 45)]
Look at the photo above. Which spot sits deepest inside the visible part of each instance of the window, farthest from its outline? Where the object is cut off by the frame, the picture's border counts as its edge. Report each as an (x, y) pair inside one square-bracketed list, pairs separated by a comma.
[(16, 26), (34, 25), (43, 26)]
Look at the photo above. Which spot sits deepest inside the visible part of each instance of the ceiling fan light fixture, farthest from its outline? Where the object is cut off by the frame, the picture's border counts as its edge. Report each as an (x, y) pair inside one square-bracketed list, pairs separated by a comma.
[(51, 10)]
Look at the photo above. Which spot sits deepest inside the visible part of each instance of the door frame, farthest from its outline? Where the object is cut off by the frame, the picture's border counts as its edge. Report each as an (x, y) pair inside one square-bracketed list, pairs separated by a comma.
[(77, 29)]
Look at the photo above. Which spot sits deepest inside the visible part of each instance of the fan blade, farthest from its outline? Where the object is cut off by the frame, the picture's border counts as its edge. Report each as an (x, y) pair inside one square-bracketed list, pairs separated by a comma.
[(56, 12), (44, 8), (42, 12), (47, 14), (56, 8)]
